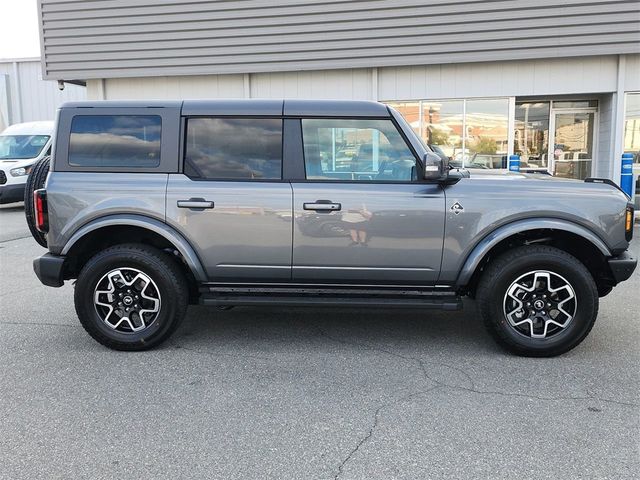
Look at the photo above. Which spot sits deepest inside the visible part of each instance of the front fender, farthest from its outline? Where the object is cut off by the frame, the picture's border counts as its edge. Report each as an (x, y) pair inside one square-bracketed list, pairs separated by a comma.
[(156, 226), (483, 247)]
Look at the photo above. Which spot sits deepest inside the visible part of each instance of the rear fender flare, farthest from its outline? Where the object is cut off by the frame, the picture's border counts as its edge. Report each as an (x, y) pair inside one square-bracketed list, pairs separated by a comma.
[(156, 226)]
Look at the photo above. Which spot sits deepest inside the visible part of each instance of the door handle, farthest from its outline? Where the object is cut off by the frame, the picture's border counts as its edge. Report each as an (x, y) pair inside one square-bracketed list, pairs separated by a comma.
[(195, 203), (322, 206)]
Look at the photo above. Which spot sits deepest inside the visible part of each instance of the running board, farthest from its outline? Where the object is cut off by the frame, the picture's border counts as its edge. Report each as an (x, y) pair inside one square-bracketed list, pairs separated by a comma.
[(334, 297)]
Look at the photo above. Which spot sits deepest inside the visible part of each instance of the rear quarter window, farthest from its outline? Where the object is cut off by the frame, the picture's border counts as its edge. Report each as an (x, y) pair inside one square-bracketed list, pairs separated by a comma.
[(127, 141)]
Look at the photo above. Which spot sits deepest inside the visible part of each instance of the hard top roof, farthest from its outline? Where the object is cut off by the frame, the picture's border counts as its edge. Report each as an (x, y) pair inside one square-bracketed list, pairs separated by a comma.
[(250, 107)]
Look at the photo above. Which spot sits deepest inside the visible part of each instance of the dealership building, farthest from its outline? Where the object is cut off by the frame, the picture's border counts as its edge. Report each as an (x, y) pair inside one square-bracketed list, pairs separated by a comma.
[(557, 82)]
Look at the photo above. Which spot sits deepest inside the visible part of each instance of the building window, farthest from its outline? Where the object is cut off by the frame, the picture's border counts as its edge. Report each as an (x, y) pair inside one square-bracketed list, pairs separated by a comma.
[(443, 126), (234, 148), (486, 133), (632, 125), (356, 150), (531, 139), (473, 133), (126, 141)]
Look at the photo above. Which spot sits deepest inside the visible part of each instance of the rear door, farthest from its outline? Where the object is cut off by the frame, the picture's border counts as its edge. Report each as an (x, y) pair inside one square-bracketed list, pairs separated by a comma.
[(362, 214), (230, 201)]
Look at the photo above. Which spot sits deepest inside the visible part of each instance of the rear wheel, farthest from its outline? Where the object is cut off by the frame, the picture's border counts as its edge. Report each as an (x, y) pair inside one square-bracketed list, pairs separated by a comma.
[(35, 181), (537, 301), (131, 297)]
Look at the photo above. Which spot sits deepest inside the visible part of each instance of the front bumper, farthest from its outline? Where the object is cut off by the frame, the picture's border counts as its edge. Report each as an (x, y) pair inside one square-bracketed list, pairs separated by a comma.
[(12, 192), (49, 269), (622, 266)]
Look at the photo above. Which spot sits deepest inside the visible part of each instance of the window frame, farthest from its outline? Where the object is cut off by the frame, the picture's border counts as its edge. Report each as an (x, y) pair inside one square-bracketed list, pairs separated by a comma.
[(184, 120), (399, 129), (170, 122)]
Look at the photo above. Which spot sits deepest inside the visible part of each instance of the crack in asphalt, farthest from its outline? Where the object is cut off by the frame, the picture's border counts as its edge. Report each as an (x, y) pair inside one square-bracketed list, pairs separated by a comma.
[(374, 426), (422, 364), (441, 384), (45, 324), (14, 239)]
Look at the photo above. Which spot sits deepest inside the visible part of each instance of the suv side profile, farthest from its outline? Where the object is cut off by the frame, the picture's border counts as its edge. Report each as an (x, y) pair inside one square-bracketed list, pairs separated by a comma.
[(151, 206)]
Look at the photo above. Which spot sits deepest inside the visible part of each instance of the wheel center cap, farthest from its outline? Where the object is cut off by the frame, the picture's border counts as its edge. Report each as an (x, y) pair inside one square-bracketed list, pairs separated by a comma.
[(538, 304), (127, 300)]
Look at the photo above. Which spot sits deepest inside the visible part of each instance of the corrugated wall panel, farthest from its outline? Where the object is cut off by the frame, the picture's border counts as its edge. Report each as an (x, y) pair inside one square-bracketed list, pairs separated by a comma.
[(29, 97), (138, 38)]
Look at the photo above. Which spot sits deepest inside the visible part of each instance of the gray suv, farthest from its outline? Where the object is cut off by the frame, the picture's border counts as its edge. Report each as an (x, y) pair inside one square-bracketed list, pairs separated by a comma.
[(151, 206)]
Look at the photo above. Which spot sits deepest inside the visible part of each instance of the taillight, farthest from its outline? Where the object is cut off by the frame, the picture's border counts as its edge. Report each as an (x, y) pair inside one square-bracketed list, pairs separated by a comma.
[(40, 207), (628, 223)]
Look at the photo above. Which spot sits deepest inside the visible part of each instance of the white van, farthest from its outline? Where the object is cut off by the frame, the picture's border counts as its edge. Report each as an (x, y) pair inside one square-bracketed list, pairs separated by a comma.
[(21, 146)]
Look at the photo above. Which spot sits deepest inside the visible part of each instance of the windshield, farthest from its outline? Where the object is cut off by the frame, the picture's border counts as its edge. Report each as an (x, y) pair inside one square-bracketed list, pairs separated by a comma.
[(21, 146)]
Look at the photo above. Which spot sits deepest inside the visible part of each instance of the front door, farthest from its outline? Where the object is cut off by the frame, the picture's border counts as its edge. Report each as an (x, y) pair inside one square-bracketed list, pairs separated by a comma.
[(363, 216), (572, 138), (231, 203)]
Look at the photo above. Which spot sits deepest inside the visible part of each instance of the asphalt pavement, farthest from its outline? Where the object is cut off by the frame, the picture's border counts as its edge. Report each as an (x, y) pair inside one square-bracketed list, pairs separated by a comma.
[(294, 393)]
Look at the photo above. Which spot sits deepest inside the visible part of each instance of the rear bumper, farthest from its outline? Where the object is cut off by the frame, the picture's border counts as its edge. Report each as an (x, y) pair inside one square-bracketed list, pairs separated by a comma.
[(12, 193), (622, 266), (50, 269)]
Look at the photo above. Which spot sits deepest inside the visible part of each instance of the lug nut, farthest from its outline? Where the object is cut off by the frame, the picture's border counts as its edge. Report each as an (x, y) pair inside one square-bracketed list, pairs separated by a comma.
[(543, 312)]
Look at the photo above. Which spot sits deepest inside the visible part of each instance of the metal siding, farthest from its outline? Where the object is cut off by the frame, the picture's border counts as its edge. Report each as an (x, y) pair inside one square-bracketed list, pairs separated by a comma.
[(29, 97), (140, 38)]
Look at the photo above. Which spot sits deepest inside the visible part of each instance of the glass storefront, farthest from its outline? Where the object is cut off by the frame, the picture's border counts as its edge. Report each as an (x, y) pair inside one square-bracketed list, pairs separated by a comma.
[(631, 137), (473, 133), (442, 126), (531, 138), (551, 136)]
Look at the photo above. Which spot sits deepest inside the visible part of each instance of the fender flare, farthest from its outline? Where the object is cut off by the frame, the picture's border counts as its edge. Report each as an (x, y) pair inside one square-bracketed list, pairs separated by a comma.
[(496, 236), (148, 223)]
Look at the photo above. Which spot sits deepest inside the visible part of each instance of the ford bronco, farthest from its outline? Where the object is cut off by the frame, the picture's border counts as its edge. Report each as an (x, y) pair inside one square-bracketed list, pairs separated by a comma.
[(151, 206)]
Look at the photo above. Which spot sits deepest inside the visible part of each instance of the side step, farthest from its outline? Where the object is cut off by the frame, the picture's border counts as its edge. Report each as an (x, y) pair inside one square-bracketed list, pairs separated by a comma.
[(330, 297)]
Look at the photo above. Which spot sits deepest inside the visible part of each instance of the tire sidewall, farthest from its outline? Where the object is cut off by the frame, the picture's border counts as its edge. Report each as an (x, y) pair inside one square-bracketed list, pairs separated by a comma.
[(586, 298), (88, 280)]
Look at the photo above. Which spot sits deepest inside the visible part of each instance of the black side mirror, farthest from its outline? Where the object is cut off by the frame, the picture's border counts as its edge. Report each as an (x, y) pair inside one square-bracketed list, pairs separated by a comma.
[(434, 167)]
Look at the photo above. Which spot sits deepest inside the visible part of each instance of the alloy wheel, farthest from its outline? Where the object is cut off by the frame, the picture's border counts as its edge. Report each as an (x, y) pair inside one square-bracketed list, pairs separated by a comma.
[(540, 304), (127, 300)]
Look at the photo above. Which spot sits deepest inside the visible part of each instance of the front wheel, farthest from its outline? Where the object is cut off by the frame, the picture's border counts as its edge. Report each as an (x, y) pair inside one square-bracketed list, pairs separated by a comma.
[(131, 297), (537, 301)]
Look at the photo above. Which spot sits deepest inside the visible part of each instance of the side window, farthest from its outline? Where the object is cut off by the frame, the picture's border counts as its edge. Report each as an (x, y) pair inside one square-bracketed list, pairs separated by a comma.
[(126, 141), (356, 150), (233, 148)]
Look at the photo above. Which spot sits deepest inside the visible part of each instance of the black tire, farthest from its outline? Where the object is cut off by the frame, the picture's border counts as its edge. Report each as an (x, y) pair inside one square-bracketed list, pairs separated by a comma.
[(35, 181), (167, 278), (510, 267)]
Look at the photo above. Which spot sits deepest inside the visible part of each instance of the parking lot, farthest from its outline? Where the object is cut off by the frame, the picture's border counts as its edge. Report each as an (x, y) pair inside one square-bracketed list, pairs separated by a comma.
[(307, 393)]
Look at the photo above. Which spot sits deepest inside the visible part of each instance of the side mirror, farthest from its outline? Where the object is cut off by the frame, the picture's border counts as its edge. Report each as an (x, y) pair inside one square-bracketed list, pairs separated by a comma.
[(434, 167)]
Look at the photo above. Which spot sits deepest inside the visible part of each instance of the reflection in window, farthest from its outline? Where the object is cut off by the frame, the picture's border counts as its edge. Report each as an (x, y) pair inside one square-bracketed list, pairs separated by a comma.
[(443, 125), (471, 133), (486, 133), (632, 125), (128, 141), (364, 150), (532, 134), (234, 148)]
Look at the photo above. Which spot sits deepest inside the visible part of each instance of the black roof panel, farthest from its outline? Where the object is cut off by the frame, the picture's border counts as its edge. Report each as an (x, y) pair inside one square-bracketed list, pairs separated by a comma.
[(251, 107)]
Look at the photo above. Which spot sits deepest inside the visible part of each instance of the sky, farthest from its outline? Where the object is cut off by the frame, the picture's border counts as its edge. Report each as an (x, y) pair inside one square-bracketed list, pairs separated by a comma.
[(19, 29)]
